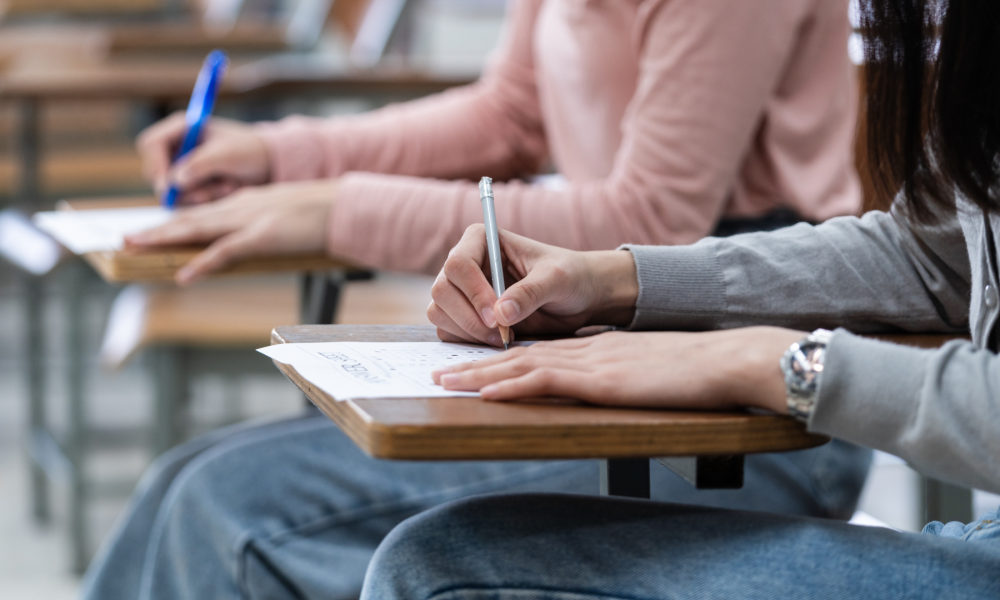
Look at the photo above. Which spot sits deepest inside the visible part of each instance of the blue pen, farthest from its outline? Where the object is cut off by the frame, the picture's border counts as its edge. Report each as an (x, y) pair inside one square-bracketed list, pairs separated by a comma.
[(199, 109)]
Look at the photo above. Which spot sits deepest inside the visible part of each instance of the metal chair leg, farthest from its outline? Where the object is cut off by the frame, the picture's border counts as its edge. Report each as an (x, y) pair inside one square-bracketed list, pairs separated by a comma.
[(27, 198), (172, 386), (29, 150), (34, 345), (946, 502), (75, 301)]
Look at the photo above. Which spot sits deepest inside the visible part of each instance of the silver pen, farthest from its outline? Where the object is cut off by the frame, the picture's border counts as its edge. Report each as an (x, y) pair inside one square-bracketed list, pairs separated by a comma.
[(493, 245)]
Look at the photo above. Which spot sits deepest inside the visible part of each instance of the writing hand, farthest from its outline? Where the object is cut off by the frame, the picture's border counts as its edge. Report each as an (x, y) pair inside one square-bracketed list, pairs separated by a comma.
[(549, 289), (712, 370), (230, 156), (289, 218)]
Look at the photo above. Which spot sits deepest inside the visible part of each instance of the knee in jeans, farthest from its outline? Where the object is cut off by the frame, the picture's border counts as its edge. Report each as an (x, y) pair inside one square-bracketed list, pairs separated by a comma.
[(423, 552), (442, 546), (205, 493)]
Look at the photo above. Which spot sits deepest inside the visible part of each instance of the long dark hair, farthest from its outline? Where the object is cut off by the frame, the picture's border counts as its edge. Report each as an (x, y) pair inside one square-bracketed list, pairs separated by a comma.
[(933, 110)]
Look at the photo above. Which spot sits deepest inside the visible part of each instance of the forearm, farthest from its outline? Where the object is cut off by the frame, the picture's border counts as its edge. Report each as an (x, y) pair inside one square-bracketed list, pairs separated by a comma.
[(934, 408), (870, 274), (492, 127), (409, 224), (454, 135)]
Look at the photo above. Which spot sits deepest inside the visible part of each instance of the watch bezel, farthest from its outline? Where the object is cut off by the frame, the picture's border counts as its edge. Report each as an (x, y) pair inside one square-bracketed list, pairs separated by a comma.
[(802, 366)]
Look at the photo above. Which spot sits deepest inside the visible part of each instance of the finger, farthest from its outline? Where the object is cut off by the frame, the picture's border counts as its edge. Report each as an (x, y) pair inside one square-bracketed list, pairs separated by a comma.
[(224, 252), (446, 336), (156, 146), (209, 192), (193, 227), (480, 375), (209, 161), (544, 382), (464, 270), (522, 299), (453, 303), (444, 322)]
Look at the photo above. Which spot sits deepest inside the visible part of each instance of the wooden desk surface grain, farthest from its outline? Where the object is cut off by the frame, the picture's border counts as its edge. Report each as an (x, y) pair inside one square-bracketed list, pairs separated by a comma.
[(471, 429), (161, 264)]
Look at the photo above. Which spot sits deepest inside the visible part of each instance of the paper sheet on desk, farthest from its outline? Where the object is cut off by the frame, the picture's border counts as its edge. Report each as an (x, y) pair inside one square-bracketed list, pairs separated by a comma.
[(349, 370), (99, 230)]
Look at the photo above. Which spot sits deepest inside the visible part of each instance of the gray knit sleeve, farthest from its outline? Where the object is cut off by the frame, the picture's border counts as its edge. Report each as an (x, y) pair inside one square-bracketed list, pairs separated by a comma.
[(875, 273), (934, 408)]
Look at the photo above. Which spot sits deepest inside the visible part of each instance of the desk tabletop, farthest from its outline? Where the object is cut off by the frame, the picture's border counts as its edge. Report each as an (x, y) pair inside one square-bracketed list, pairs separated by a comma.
[(471, 429), (161, 264)]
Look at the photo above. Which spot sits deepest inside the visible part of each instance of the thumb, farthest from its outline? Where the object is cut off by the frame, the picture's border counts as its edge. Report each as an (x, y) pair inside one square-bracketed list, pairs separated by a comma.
[(525, 297), (205, 163)]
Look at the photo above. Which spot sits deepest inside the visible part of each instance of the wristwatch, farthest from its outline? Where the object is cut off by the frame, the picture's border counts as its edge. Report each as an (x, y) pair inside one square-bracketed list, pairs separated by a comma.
[(802, 366)]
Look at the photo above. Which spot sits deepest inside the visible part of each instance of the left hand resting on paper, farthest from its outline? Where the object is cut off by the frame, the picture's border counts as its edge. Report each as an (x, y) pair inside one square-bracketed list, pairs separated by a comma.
[(712, 370), (287, 218)]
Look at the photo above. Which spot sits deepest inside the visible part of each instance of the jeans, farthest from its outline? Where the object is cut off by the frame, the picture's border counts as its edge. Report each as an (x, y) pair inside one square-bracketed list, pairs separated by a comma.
[(294, 509), (557, 547)]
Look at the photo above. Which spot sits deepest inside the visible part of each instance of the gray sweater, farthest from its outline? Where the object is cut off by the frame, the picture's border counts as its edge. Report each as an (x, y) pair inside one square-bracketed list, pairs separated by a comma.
[(938, 409)]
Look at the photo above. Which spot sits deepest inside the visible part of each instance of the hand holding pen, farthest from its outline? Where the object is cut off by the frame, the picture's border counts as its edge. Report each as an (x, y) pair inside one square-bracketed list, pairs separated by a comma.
[(552, 291), (199, 110), (493, 246)]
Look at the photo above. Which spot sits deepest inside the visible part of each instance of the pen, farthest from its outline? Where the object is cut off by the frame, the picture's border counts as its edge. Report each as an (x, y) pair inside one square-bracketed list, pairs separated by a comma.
[(199, 109), (493, 245)]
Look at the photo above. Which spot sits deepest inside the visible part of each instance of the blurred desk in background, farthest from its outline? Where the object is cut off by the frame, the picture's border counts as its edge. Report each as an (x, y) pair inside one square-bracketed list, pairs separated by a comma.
[(211, 328), (131, 265), (168, 84)]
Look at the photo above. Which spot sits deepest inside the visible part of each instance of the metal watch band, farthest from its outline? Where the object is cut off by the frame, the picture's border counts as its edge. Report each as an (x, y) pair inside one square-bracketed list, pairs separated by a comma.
[(802, 366)]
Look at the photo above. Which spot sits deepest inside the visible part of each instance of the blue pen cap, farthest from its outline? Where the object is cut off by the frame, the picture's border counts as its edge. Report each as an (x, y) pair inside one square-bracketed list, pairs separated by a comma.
[(206, 87)]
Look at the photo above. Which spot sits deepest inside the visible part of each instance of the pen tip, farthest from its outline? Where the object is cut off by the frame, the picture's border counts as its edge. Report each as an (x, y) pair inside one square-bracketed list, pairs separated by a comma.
[(505, 345)]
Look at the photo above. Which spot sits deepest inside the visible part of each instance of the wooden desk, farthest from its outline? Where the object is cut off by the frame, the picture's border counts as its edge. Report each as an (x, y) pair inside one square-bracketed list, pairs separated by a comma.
[(172, 80), (471, 429), (166, 83), (133, 265)]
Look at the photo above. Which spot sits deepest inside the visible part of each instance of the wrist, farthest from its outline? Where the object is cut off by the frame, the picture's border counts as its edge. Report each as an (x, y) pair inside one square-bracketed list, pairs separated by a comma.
[(760, 369), (616, 287)]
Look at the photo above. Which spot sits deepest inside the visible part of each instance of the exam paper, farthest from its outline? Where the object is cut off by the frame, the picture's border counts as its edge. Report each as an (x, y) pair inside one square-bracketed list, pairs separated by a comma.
[(349, 370), (99, 230)]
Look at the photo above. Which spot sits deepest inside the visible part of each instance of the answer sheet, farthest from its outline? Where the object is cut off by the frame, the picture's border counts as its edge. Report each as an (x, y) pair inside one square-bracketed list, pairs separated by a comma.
[(350, 370), (99, 230)]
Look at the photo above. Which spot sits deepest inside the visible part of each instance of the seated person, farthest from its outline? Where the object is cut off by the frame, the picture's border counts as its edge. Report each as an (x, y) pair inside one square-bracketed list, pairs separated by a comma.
[(930, 264), (664, 116)]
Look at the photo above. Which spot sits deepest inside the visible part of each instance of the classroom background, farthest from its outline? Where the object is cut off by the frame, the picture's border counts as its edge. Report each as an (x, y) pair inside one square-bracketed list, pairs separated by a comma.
[(97, 377)]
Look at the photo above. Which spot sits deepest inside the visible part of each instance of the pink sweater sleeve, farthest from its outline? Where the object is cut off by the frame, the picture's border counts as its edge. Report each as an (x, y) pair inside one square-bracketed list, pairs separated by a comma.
[(494, 125), (707, 69)]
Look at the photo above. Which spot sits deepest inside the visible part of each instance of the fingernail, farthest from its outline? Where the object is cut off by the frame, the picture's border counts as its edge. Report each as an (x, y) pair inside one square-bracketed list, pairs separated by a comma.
[(450, 380), (440, 372), (494, 340), (180, 175), (510, 310), (184, 276), (489, 390), (489, 318)]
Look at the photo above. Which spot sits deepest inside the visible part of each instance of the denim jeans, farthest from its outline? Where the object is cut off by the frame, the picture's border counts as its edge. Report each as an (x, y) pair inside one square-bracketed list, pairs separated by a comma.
[(556, 547), (293, 509)]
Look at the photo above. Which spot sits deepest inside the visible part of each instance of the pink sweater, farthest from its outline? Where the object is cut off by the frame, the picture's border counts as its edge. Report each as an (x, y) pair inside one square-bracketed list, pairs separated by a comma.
[(663, 116)]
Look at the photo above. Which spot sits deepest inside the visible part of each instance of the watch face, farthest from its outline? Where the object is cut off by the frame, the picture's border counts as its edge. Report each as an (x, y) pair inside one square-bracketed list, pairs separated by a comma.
[(806, 365)]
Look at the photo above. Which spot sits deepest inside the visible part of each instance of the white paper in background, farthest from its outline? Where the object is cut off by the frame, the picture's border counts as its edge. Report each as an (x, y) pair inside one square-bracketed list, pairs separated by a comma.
[(349, 370), (99, 230)]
